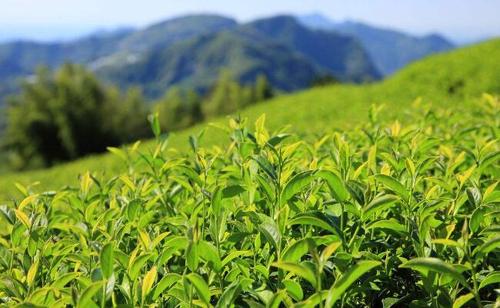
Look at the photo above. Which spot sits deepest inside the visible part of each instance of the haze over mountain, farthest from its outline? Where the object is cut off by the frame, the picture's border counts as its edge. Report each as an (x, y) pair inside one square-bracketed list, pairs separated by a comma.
[(189, 51), (389, 49), (289, 54)]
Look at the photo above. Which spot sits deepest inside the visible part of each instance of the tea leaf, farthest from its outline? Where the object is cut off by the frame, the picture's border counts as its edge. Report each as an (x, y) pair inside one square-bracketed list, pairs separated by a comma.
[(201, 287), (107, 258), (347, 279)]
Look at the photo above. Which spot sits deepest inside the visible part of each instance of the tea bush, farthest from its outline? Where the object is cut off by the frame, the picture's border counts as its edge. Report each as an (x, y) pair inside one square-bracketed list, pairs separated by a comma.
[(376, 216)]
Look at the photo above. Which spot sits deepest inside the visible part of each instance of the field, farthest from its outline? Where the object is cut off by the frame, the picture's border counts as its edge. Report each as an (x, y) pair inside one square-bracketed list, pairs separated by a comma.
[(320, 110), (376, 195)]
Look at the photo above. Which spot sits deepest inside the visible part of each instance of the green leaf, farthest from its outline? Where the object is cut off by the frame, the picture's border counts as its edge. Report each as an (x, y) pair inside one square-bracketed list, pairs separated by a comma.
[(298, 269), (275, 140), (446, 242), (118, 152), (296, 185), (391, 224), (208, 252), (347, 279), (424, 265), (490, 279), (316, 219), (294, 289), (270, 231), (85, 299), (155, 124), (201, 287), (192, 256), (488, 246), (63, 280), (393, 185), (389, 302), (148, 281), (276, 299), (106, 259), (336, 185), (230, 294), (166, 282), (313, 300), (137, 265), (30, 277), (232, 191), (462, 300), (236, 254), (294, 252), (477, 218), (379, 204)]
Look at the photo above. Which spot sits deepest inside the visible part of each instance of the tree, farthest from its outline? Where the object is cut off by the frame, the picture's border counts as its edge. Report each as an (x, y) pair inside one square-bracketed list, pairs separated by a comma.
[(178, 109), (263, 89), (65, 115), (324, 80), (224, 98)]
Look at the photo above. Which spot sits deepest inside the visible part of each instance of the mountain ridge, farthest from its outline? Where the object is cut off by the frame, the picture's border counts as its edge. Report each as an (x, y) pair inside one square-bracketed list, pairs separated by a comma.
[(331, 52), (278, 47), (390, 49)]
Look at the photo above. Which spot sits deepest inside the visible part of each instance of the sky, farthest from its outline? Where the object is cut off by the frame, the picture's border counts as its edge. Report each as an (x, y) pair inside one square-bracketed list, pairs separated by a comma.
[(460, 20)]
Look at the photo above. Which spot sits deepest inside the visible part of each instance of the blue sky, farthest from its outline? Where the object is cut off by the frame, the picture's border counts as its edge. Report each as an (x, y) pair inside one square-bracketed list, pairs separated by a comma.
[(51, 19)]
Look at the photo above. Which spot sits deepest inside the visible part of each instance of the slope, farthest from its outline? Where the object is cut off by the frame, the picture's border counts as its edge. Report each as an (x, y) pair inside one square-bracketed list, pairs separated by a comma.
[(321, 110)]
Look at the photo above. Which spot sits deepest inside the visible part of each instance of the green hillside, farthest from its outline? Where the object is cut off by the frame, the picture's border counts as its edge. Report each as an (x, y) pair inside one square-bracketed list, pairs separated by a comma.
[(454, 78)]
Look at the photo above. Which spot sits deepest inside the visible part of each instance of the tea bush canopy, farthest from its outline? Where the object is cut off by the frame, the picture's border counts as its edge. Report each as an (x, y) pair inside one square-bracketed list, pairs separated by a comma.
[(379, 215)]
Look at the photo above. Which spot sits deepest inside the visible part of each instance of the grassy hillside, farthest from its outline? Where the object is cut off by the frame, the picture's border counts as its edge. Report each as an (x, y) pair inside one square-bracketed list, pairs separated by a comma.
[(457, 77)]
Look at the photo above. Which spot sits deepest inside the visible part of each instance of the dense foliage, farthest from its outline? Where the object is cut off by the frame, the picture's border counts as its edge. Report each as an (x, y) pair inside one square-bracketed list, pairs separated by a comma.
[(180, 108), (69, 114), (469, 71), (66, 115), (390, 216)]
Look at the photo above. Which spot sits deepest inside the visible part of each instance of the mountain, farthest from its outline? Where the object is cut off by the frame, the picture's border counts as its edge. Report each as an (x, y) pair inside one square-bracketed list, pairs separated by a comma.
[(342, 55), (196, 63), (289, 54), (389, 49), (189, 51), (166, 33), (20, 58)]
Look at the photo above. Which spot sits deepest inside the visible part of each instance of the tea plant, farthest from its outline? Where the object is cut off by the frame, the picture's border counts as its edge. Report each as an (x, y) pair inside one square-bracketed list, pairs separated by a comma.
[(380, 216)]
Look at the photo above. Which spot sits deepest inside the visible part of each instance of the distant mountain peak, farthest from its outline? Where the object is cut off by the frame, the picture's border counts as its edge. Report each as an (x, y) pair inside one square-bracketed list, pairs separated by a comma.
[(390, 49), (316, 20)]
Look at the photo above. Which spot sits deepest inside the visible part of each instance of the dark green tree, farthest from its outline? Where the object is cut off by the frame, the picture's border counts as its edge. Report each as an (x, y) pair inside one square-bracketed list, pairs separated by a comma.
[(69, 114), (224, 98), (263, 89), (178, 109)]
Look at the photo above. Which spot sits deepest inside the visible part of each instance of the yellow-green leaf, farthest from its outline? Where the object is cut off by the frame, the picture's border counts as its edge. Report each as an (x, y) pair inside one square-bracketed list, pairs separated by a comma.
[(148, 281)]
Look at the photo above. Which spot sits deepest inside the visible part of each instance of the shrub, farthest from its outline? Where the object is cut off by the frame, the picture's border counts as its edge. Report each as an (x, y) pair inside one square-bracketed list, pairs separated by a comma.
[(384, 215), (67, 115)]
